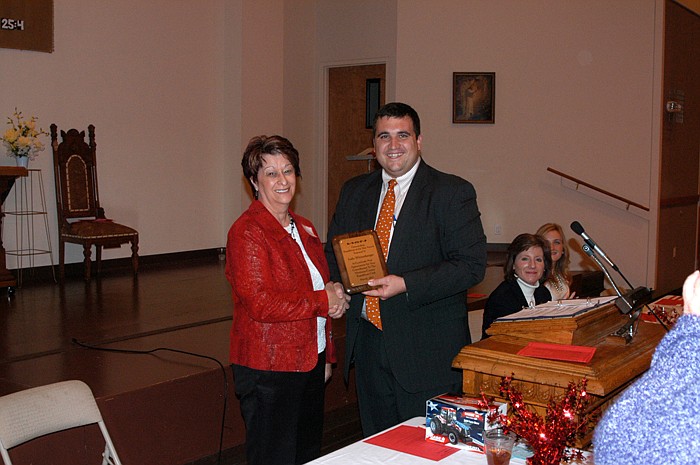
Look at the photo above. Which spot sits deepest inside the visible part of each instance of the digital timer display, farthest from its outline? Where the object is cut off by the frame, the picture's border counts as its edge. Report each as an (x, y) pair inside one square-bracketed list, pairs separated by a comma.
[(8, 24)]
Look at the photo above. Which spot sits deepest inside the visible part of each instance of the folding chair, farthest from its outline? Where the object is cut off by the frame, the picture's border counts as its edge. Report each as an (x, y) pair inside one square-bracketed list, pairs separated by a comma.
[(43, 410)]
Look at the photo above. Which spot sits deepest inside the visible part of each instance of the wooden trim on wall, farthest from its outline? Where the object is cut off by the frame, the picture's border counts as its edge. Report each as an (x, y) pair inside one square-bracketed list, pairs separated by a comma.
[(115, 266), (692, 5), (682, 201)]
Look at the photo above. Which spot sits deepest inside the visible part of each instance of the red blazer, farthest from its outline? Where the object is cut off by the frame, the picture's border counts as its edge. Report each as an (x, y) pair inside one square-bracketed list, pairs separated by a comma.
[(274, 305)]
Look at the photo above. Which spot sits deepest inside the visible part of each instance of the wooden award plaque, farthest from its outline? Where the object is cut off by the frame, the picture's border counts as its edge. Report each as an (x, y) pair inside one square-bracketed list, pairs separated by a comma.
[(360, 259)]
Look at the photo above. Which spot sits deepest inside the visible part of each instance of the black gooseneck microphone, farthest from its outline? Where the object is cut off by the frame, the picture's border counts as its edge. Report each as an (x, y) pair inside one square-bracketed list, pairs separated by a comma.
[(578, 229), (631, 301)]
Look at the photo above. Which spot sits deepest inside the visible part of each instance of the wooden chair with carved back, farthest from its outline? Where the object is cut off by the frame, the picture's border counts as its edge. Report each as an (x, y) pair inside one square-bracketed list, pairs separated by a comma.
[(81, 219)]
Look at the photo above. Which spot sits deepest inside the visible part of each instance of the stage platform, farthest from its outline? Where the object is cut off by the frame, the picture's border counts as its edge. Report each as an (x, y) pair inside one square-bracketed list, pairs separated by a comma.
[(161, 408)]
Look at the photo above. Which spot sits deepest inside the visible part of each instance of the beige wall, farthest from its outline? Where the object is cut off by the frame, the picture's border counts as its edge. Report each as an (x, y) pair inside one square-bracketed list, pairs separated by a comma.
[(229, 88), (150, 77), (576, 90), (320, 35), (177, 88)]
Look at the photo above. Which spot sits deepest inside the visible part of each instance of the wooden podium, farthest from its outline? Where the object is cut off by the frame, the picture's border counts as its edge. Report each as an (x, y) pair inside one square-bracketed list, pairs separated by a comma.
[(8, 174), (612, 368)]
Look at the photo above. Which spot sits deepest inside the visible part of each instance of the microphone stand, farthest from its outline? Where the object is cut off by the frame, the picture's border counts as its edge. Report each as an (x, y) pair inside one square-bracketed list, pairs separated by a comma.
[(623, 277), (629, 329), (634, 300), (589, 251), (590, 247)]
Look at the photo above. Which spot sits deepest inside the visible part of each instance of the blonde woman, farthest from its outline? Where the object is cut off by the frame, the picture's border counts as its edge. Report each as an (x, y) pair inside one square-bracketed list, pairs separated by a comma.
[(559, 280)]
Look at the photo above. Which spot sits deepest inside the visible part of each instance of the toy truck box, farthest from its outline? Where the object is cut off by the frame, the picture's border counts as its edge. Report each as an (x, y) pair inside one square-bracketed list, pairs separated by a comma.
[(458, 420)]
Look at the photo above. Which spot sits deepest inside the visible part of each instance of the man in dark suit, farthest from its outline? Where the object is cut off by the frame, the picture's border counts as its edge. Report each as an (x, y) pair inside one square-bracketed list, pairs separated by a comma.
[(437, 251)]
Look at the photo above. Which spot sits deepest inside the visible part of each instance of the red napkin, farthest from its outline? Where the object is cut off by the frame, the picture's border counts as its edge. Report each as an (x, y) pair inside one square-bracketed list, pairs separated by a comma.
[(411, 440), (565, 352), (669, 300)]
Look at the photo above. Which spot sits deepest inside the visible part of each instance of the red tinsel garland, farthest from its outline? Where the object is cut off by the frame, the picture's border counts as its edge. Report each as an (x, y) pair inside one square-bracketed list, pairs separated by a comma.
[(565, 421)]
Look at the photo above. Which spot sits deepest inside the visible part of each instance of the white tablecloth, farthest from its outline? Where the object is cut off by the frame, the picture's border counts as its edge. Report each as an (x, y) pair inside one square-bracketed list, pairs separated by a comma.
[(361, 453)]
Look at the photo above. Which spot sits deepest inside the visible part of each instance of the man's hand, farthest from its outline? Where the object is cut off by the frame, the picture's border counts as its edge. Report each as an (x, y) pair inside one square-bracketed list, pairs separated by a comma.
[(387, 287)]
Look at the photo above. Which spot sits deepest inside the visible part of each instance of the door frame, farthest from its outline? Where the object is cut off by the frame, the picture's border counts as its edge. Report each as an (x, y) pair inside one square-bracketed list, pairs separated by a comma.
[(320, 202)]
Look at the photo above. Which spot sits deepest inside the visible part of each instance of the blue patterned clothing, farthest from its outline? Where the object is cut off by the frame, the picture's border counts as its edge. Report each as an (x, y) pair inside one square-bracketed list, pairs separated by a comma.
[(657, 419)]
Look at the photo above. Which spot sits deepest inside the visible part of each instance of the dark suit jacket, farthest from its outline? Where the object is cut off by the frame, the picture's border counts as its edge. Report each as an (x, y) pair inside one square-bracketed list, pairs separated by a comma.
[(508, 298), (439, 248)]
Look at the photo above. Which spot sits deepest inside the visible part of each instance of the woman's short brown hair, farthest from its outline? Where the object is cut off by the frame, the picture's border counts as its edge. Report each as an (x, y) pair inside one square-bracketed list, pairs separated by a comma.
[(260, 146), (522, 243)]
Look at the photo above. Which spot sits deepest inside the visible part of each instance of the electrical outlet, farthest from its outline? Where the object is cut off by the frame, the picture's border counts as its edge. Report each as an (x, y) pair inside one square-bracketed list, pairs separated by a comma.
[(497, 230)]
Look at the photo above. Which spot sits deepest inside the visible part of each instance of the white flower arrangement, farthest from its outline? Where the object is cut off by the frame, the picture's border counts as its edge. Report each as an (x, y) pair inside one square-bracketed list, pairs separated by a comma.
[(22, 139)]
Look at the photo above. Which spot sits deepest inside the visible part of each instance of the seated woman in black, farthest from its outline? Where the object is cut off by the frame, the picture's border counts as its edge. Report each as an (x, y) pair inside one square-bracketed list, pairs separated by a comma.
[(527, 267)]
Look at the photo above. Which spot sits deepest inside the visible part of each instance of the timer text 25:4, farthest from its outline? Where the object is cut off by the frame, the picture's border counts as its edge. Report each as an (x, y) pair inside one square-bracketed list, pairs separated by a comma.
[(12, 24)]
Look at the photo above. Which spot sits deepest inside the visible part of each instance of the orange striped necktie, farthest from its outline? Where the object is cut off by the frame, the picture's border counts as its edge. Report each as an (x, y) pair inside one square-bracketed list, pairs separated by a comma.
[(383, 228)]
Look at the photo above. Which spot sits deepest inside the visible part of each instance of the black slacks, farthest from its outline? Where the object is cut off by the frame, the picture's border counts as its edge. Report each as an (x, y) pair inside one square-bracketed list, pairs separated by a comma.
[(282, 412), (383, 402)]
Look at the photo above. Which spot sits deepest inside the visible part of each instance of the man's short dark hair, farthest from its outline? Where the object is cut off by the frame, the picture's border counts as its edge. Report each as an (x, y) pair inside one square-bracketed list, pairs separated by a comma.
[(397, 110)]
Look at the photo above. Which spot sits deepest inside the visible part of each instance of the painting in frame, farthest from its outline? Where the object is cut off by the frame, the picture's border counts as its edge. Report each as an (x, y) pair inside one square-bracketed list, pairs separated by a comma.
[(474, 98)]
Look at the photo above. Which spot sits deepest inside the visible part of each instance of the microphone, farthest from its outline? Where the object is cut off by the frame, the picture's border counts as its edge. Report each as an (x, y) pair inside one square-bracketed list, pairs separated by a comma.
[(630, 302), (578, 229)]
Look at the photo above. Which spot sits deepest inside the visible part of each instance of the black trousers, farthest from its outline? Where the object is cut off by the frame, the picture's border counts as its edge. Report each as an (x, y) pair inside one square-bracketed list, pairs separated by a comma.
[(282, 412), (382, 401)]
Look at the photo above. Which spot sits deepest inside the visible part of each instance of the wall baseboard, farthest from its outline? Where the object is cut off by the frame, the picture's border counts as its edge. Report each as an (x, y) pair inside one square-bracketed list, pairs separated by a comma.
[(119, 266)]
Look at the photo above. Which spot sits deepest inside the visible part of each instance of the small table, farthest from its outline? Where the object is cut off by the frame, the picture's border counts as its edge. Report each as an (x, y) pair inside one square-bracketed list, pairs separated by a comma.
[(8, 174), (29, 204), (368, 454)]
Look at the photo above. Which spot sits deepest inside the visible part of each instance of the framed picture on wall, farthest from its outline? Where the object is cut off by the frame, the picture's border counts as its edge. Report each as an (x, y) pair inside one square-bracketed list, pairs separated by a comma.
[(473, 98)]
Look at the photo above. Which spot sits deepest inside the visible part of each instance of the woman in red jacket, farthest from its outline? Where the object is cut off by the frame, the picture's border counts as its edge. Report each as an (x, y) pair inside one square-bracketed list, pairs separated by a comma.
[(281, 343)]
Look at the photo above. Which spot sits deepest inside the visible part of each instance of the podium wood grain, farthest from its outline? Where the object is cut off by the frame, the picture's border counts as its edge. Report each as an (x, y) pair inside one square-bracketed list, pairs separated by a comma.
[(612, 368), (584, 329)]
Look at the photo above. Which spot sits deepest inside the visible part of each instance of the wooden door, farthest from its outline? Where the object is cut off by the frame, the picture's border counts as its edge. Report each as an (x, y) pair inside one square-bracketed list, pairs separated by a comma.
[(347, 131), (347, 135), (678, 238)]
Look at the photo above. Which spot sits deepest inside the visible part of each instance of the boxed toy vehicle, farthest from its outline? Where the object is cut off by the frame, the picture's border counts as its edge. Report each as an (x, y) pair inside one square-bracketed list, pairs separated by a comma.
[(458, 420)]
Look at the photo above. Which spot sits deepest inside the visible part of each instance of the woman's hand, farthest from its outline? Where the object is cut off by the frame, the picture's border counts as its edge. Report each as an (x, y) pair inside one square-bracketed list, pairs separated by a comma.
[(329, 371), (338, 300), (691, 294)]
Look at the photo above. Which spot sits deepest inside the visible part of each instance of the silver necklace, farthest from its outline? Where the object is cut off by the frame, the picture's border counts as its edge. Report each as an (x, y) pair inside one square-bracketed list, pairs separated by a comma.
[(558, 282), (292, 226)]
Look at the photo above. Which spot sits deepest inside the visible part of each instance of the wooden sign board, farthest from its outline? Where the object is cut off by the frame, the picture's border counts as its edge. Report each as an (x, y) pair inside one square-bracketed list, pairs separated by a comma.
[(27, 25)]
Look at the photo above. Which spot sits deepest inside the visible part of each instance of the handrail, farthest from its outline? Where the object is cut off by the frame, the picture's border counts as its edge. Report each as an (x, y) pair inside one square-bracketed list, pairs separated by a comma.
[(598, 189)]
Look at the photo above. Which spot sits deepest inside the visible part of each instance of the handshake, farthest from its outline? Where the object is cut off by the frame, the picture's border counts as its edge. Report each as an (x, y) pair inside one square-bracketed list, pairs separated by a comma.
[(338, 300)]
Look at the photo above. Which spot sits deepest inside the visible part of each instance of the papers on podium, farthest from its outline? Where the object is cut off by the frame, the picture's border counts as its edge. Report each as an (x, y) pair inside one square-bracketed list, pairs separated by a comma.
[(558, 309), (577, 322)]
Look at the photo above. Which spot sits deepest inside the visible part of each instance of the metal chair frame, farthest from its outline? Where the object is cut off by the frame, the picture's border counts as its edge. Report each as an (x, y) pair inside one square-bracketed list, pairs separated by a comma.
[(43, 410)]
